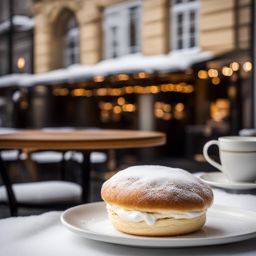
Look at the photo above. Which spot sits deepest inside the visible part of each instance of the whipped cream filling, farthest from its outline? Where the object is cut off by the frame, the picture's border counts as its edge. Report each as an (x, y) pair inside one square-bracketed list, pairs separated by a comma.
[(151, 218)]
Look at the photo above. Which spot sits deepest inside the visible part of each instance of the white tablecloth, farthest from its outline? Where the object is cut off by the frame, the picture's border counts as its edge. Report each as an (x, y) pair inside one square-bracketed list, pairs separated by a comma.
[(44, 235)]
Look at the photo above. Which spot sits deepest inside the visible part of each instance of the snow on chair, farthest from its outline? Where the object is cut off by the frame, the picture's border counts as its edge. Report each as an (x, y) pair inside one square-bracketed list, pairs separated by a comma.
[(53, 194), (9, 155)]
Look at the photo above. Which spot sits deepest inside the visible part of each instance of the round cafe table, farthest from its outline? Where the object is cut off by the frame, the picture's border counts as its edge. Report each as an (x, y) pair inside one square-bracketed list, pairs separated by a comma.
[(82, 140)]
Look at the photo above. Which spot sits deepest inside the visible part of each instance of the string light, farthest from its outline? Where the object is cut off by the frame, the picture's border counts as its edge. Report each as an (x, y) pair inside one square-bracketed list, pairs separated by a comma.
[(167, 107), (179, 111), (81, 92), (129, 89), (165, 111), (141, 75), (247, 66), (122, 77), (226, 71), (111, 112), (60, 92), (129, 108), (101, 91), (202, 74), (188, 89), (212, 72), (215, 80), (21, 62), (167, 116), (235, 66), (98, 79), (117, 109), (107, 106), (154, 89), (121, 101), (179, 107), (159, 113), (115, 92)]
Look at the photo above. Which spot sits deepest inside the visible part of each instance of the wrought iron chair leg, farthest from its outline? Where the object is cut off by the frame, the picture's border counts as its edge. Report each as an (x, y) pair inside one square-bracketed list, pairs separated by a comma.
[(86, 171), (63, 167), (8, 186)]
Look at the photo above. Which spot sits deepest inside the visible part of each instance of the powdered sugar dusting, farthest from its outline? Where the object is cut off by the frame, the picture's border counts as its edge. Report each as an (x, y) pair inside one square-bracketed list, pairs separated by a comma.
[(156, 182)]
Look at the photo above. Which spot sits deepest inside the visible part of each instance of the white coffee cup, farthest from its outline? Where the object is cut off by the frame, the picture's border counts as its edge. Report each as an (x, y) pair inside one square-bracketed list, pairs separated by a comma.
[(237, 156)]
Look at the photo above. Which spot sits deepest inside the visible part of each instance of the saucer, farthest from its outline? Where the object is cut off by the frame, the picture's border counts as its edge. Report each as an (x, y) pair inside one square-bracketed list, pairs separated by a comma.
[(218, 179)]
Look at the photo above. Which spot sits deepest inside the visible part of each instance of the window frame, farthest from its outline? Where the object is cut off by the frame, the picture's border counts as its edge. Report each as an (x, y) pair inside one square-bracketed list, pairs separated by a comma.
[(71, 36), (185, 7), (119, 16), (4, 8), (4, 55)]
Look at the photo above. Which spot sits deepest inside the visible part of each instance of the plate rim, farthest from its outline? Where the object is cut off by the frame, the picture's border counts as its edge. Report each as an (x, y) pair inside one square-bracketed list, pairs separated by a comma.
[(143, 241), (231, 185)]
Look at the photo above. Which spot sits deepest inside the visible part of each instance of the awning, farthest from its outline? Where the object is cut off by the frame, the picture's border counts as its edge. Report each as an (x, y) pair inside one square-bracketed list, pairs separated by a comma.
[(133, 63), (14, 80), (20, 22)]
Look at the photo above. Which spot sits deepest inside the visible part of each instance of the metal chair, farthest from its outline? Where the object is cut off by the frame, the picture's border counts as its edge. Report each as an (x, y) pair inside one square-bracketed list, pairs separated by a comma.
[(57, 194)]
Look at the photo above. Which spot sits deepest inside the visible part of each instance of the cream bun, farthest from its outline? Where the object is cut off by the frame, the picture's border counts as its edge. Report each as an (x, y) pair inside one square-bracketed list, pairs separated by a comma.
[(151, 200)]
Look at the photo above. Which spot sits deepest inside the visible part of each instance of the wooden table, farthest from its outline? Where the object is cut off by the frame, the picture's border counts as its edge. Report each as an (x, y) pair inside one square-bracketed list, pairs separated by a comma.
[(82, 140)]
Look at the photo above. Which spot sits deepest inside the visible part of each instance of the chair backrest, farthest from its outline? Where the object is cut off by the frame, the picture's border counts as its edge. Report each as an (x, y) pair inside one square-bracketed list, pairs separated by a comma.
[(12, 154)]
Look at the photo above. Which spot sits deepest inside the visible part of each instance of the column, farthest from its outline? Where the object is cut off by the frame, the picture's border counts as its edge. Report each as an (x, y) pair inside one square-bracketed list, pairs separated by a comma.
[(42, 44), (90, 23), (146, 112), (155, 39)]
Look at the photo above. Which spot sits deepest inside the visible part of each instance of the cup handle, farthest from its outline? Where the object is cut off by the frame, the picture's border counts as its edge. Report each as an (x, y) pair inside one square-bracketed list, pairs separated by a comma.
[(205, 152)]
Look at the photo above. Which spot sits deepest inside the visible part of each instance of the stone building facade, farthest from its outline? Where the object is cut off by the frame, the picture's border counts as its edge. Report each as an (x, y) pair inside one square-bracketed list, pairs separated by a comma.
[(109, 29), (224, 25), (87, 32)]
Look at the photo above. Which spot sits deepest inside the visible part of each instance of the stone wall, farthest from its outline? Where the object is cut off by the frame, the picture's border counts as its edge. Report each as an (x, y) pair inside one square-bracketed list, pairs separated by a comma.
[(225, 25), (155, 39)]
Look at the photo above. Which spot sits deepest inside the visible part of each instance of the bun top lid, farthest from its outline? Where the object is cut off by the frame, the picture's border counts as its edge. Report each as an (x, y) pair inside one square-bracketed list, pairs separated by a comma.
[(155, 188)]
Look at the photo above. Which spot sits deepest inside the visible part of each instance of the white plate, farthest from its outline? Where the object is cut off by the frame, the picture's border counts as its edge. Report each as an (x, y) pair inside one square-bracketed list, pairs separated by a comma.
[(218, 179), (224, 225)]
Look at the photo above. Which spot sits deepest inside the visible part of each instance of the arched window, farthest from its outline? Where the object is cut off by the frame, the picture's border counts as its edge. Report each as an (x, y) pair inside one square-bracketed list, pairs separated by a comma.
[(71, 43)]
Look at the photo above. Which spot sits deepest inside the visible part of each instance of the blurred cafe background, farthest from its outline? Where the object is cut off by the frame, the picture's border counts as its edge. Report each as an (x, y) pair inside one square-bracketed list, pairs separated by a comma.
[(183, 67)]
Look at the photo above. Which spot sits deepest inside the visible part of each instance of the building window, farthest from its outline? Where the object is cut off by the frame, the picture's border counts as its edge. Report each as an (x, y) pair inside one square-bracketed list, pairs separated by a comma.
[(184, 24), (4, 10), (4, 55), (122, 29), (71, 43)]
